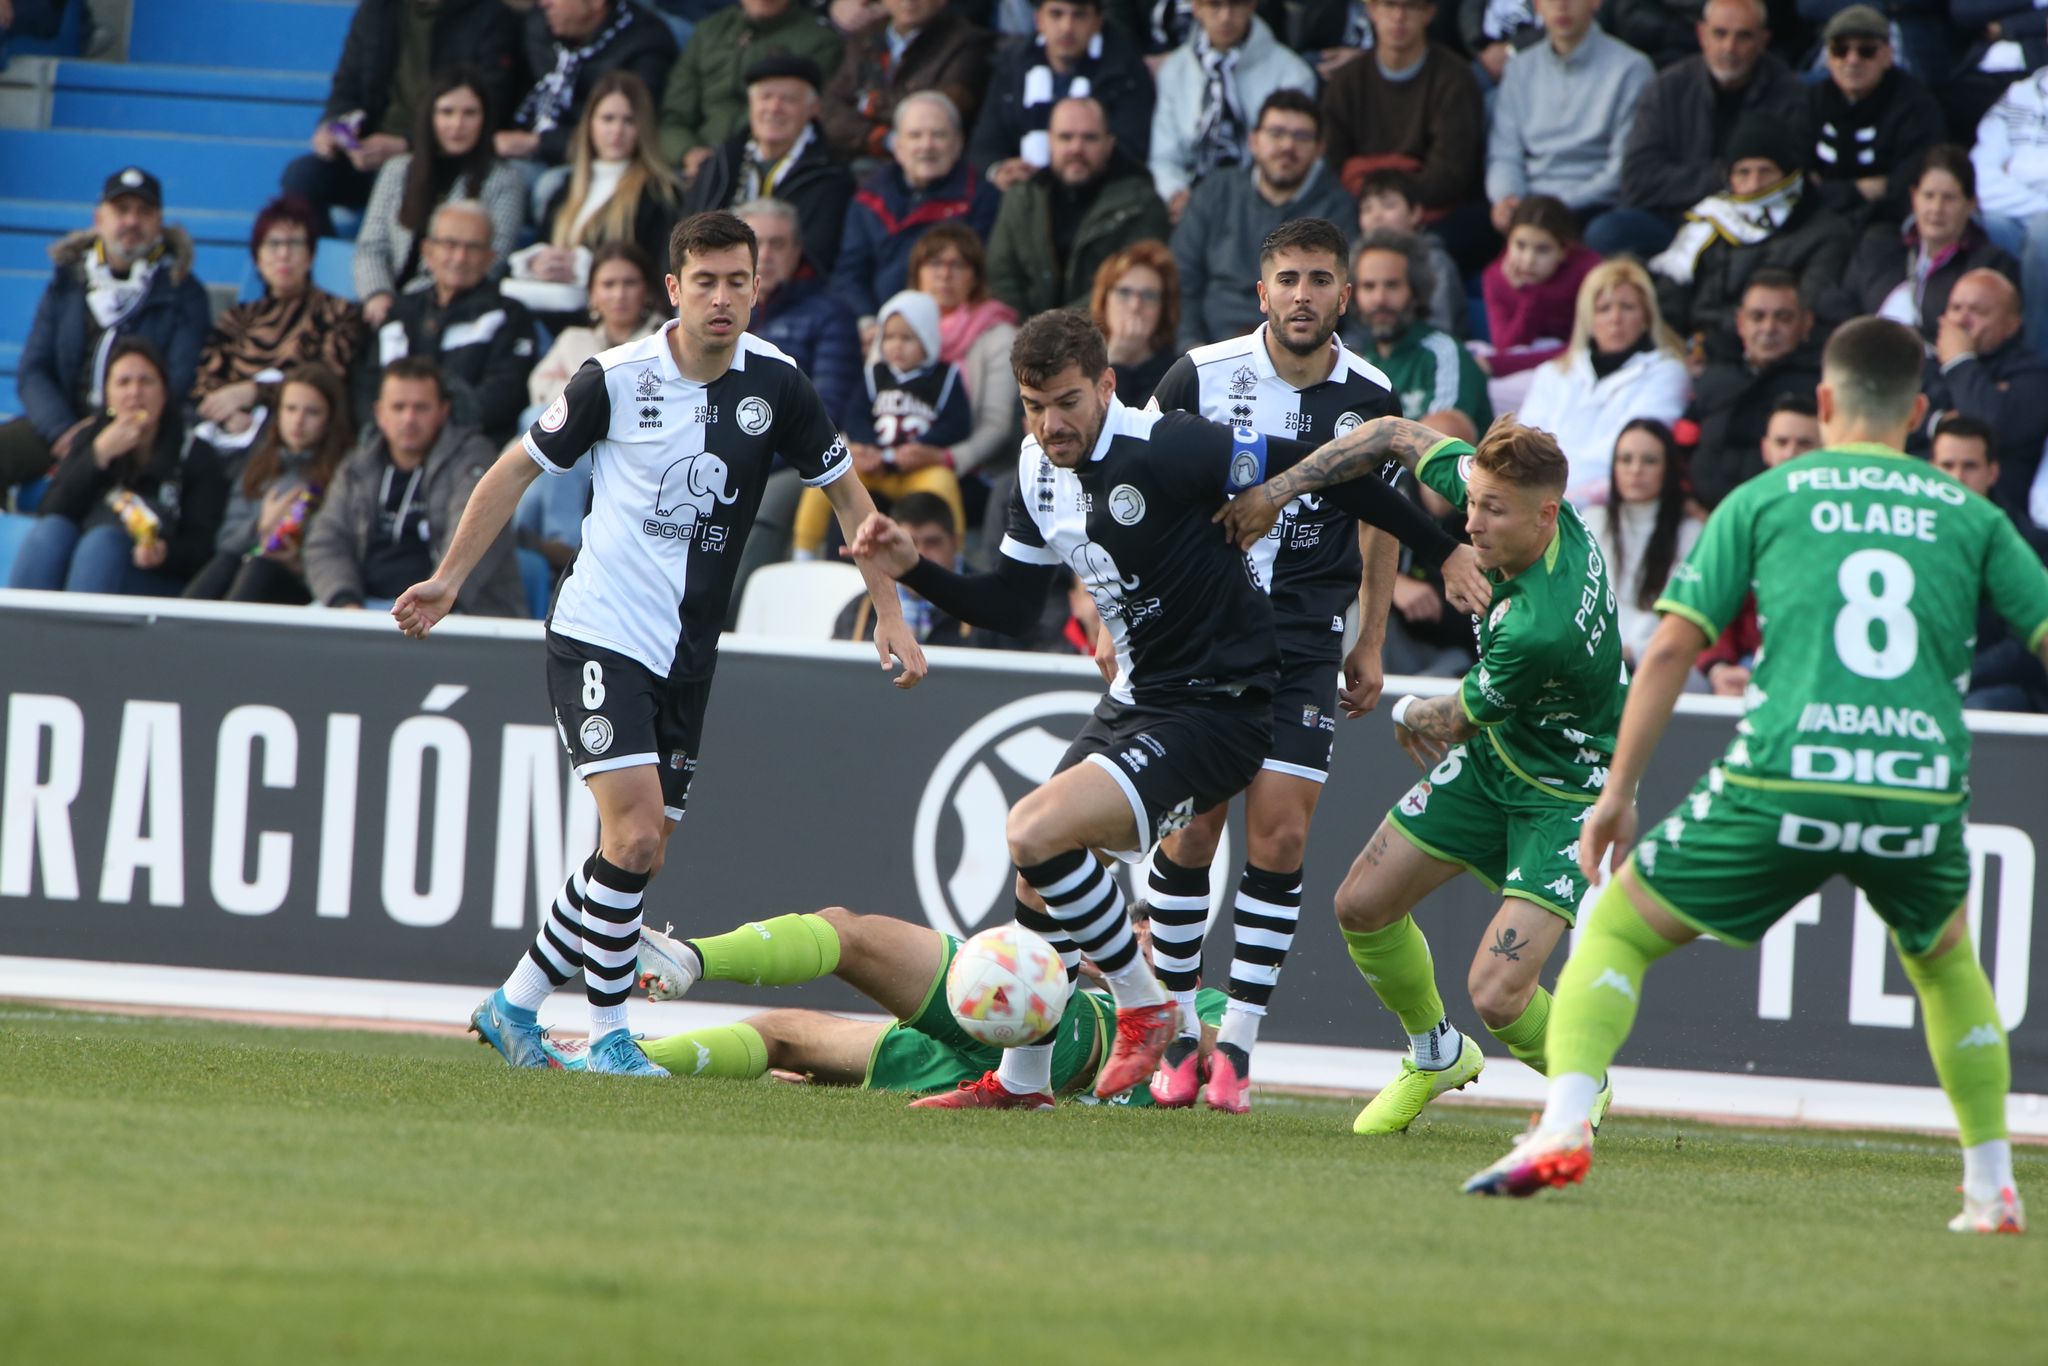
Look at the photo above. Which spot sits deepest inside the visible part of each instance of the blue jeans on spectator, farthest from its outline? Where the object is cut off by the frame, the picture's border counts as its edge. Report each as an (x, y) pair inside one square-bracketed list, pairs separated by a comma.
[(1634, 232), (56, 555), (553, 505), (2026, 238)]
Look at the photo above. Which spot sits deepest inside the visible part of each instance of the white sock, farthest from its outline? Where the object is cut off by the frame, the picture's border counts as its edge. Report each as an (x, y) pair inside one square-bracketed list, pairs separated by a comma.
[(1240, 1027), (1027, 1070), (1987, 1169), (1437, 1049), (1134, 985), (528, 986), (1190, 1023), (604, 1019), (1570, 1107)]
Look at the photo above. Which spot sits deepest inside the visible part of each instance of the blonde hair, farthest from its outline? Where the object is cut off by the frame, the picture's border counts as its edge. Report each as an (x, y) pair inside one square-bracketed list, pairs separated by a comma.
[(1526, 457), (1620, 271), (645, 174)]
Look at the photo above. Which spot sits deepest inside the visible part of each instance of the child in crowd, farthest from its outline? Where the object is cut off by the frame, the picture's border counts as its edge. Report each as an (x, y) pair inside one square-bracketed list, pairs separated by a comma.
[(916, 409), (1386, 199), (1532, 295)]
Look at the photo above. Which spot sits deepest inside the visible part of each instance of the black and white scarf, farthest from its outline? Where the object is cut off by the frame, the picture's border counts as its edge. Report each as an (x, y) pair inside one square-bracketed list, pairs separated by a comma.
[(759, 176), (545, 104), (1045, 87), (1222, 122), (110, 299)]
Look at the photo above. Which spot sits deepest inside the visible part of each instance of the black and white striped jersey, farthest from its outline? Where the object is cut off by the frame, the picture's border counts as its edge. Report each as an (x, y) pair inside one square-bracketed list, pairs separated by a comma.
[(1132, 521), (677, 470), (1310, 561)]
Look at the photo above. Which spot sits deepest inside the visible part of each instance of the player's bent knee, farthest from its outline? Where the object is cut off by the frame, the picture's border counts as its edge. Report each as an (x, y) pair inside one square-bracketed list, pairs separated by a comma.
[(636, 849), (1281, 849), (1036, 833), (1360, 909), (1499, 998)]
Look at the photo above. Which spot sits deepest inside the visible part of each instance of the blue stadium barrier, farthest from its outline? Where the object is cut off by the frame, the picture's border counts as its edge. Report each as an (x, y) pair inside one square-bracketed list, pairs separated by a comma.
[(63, 43), (209, 101), (334, 267), (197, 173), (275, 35), (19, 292)]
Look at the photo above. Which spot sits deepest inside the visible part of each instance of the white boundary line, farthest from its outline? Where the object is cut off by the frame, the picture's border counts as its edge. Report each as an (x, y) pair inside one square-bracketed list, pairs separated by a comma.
[(1640, 1090)]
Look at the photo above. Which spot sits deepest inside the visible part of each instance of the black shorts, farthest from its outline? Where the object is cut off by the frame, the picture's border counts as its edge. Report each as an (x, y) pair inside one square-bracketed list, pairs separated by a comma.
[(614, 712), (1174, 761), (1304, 719)]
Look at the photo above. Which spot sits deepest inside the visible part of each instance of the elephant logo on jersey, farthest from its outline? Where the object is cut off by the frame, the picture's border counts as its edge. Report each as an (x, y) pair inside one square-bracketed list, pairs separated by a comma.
[(1104, 581), (959, 855), (754, 415), (1126, 505), (693, 484)]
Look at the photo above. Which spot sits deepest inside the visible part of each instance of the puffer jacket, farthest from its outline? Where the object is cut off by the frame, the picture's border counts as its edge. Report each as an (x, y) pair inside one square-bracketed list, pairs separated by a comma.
[(887, 217)]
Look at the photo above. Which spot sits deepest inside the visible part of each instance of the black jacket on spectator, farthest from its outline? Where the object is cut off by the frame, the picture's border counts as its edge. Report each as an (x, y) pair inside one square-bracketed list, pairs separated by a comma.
[(2002, 660), (1731, 402), (2004, 389), (817, 185), (1661, 30), (1118, 79), (1904, 119), (478, 33), (183, 482), (1814, 245), (1673, 157), (1883, 256), (483, 341), (647, 48)]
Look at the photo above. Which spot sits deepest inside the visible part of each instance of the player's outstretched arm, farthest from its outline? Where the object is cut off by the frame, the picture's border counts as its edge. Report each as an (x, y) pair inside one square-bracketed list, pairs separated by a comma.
[(491, 505), (1364, 673), (1652, 694), (893, 639), (1007, 601)]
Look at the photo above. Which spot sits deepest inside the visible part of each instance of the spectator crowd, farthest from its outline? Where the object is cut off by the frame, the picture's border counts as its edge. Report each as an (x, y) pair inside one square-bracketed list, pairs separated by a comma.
[(1632, 222)]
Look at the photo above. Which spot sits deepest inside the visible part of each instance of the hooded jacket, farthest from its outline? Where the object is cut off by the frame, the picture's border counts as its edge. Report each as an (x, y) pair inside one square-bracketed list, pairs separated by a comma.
[(887, 217), (340, 536), (64, 345), (1022, 271)]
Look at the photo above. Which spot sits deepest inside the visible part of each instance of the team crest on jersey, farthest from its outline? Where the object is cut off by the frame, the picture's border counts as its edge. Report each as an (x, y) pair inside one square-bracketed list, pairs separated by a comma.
[(754, 415), (596, 735), (556, 415), (1348, 423), (1464, 469), (647, 385), (1244, 469), (1126, 505), (1500, 609)]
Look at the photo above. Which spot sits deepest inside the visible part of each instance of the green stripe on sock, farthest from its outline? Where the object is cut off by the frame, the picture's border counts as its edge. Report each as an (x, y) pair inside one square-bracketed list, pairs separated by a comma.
[(1525, 1037), (1965, 1038), (783, 952), (1398, 968), (734, 1051)]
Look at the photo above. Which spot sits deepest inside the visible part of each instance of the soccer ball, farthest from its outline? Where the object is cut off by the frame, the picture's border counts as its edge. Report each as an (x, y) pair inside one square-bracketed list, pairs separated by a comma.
[(1006, 986)]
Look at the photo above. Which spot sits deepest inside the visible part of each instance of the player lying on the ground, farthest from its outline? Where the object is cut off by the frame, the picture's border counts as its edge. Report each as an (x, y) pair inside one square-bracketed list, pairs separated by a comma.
[(1852, 758), (1545, 696), (899, 966), (1125, 499)]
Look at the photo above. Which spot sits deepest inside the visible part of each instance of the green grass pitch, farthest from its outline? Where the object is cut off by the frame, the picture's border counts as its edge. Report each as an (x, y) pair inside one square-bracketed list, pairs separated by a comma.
[(182, 1191)]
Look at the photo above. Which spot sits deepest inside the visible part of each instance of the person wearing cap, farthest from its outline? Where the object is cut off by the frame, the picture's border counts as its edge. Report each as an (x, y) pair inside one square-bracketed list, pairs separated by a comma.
[(706, 99), (1870, 121), (1768, 214), (1074, 52), (781, 153), (126, 276), (1674, 156)]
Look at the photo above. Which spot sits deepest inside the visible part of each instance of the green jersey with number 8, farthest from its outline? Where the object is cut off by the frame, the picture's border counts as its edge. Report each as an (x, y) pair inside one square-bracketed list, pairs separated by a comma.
[(1867, 568)]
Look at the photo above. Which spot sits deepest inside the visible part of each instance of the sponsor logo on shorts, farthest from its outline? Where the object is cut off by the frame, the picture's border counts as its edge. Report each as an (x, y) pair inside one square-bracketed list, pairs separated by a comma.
[(754, 415), (596, 735), (556, 415), (1809, 834), (1563, 889), (1126, 505)]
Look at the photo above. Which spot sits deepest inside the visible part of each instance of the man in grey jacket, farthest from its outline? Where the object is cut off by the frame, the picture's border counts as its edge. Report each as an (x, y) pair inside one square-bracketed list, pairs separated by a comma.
[(1563, 114), (1231, 212), (395, 504), (1676, 148)]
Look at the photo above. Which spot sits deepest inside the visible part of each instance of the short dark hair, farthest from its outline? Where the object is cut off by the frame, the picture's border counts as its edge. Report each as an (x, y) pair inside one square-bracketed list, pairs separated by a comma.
[(1946, 156), (708, 232), (1772, 277), (1388, 180), (1304, 234), (1965, 428), (415, 367), (1789, 402), (1547, 213), (928, 509), (284, 211), (142, 346), (1291, 102), (1873, 365), (1052, 341), (633, 255)]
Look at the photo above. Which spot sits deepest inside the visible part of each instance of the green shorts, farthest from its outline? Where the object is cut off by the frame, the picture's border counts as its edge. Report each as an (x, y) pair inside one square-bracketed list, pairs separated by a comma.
[(1732, 859), (1519, 840), (931, 1052)]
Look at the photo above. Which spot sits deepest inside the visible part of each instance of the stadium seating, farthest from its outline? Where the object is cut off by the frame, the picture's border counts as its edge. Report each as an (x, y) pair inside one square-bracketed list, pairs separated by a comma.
[(798, 601)]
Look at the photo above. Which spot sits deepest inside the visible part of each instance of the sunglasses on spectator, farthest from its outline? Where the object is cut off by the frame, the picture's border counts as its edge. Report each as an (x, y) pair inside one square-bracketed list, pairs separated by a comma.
[(1131, 294), (1865, 49)]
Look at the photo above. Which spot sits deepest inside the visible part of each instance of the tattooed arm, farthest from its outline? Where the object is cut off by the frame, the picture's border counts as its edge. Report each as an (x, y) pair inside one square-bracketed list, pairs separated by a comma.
[(1428, 727)]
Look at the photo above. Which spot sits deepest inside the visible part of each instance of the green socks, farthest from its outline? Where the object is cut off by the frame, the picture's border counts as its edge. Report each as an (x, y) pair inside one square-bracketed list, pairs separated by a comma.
[(782, 952), (1600, 987), (1524, 1038), (720, 1051), (1965, 1038), (1398, 968)]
